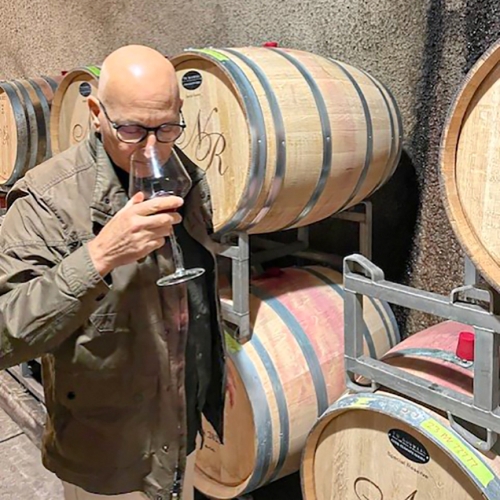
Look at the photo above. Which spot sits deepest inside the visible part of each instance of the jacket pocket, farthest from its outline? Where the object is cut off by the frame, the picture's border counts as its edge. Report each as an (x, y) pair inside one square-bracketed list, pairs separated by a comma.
[(101, 345), (107, 420), (103, 322), (102, 390)]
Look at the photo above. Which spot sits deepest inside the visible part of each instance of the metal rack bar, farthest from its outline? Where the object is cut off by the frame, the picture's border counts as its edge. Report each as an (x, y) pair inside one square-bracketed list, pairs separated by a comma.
[(362, 277), (471, 275), (237, 310)]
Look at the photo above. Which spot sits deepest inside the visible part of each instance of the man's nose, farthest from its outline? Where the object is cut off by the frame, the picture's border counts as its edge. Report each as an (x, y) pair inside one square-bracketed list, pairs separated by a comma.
[(151, 139)]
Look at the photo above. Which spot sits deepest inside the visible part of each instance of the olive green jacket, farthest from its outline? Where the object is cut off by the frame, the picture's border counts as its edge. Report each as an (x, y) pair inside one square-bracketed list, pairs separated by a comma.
[(113, 364)]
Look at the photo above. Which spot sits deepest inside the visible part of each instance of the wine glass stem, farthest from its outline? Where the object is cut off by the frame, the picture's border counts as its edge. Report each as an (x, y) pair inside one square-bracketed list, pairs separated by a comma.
[(176, 254)]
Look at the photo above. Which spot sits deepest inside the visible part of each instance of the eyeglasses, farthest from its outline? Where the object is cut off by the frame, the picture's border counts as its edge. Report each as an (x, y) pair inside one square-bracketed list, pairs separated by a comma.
[(134, 134)]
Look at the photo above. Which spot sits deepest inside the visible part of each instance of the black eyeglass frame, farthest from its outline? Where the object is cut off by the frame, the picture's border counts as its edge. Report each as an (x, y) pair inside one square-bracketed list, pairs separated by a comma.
[(147, 130)]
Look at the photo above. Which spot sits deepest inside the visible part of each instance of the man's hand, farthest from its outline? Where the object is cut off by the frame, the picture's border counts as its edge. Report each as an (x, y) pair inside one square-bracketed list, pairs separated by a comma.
[(135, 231)]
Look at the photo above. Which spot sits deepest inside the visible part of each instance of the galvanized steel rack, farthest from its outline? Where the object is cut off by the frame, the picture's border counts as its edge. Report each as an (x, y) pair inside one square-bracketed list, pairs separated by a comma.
[(472, 304), (236, 247)]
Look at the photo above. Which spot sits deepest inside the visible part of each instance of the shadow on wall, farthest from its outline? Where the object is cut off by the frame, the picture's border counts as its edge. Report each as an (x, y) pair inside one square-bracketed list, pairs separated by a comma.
[(482, 25), (395, 208)]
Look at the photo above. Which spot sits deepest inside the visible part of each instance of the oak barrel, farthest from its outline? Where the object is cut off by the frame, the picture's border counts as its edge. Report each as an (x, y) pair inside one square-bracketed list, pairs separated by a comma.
[(382, 446), (287, 137), (469, 165), (24, 125), (70, 117), (283, 378)]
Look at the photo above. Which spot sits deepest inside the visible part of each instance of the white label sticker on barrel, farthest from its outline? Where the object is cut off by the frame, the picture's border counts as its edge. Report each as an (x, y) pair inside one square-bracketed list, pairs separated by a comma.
[(85, 89), (192, 80), (408, 446)]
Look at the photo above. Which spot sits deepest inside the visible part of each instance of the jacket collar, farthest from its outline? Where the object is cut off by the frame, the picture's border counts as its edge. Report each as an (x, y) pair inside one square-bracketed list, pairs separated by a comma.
[(109, 196)]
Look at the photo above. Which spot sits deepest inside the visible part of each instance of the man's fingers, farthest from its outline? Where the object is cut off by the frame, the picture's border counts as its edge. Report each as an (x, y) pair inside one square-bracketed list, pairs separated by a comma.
[(158, 221), (160, 204), (136, 199)]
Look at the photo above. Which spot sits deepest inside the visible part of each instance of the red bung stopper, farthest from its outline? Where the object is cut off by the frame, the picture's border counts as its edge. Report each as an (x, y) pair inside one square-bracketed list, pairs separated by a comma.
[(271, 44), (465, 346)]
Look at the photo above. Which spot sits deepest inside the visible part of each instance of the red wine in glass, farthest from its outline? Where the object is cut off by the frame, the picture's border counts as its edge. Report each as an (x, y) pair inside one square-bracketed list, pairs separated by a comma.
[(155, 177)]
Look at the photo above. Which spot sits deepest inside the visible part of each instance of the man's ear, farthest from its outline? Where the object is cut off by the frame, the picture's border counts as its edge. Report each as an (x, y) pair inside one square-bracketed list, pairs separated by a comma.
[(95, 111)]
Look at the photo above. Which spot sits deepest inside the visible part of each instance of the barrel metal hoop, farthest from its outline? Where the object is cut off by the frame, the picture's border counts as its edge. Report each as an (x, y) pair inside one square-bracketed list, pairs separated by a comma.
[(53, 84), (21, 130), (261, 414), (279, 128), (421, 352), (394, 152), (37, 124), (400, 130), (369, 135), (258, 140), (326, 132), (283, 416), (43, 128)]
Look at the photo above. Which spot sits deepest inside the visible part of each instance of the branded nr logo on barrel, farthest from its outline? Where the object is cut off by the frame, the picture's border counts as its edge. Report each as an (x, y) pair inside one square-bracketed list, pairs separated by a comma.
[(366, 489), (409, 447), (207, 147)]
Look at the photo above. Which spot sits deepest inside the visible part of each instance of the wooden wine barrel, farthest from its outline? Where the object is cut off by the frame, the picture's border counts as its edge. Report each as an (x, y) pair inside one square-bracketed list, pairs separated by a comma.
[(283, 378), (70, 117), (287, 137), (382, 446), (24, 125), (469, 165)]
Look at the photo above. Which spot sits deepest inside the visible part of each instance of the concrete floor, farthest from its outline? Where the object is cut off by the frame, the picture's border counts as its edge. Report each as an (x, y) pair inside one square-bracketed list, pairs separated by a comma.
[(22, 475)]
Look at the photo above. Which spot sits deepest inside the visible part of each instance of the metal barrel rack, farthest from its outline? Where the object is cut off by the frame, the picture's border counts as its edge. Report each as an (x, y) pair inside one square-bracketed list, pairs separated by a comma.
[(472, 304), (237, 248)]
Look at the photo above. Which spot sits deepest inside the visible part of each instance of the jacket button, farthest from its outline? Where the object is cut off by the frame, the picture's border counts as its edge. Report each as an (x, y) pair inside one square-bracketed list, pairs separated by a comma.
[(165, 448)]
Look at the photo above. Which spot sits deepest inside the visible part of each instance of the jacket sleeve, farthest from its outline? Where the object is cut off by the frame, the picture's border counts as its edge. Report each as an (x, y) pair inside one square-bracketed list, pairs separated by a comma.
[(46, 292)]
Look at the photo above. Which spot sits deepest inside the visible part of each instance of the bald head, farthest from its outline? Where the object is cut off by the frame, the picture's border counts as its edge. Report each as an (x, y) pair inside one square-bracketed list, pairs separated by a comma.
[(137, 85), (135, 73)]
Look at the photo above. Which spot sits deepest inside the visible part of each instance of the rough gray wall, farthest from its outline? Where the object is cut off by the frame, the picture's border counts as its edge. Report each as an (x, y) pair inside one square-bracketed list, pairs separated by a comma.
[(419, 49)]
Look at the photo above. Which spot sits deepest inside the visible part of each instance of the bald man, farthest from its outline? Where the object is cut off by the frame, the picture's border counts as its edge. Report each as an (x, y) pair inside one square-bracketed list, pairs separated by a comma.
[(79, 262)]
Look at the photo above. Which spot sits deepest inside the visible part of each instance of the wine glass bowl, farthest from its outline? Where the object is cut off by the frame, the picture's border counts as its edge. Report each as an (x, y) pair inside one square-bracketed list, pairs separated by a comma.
[(155, 175)]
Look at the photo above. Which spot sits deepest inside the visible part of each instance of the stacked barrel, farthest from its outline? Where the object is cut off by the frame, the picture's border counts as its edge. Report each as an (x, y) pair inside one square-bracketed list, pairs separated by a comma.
[(287, 137), (381, 445), (24, 125), (284, 378), (70, 118), (40, 117)]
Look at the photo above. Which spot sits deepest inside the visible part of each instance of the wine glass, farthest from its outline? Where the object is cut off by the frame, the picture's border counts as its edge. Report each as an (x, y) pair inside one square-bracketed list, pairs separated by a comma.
[(156, 176)]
